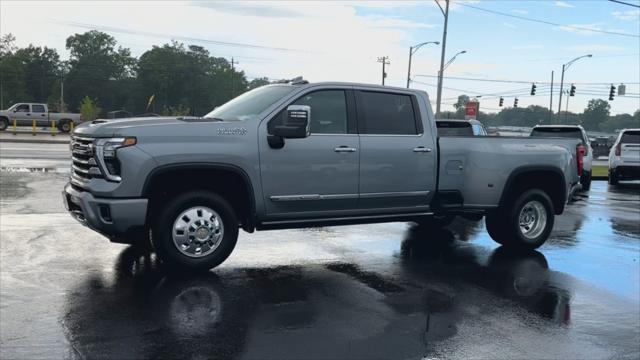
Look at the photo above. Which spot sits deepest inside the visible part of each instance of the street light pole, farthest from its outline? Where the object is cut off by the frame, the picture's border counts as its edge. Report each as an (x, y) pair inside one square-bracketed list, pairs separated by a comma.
[(565, 67), (412, 51), (444, 45)]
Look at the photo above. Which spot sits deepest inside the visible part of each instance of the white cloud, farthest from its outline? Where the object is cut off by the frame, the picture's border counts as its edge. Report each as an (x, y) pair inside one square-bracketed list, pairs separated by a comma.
[(521, 12), (564, 4), (629, 15), (583, 29), (393, 22), (509, 25)]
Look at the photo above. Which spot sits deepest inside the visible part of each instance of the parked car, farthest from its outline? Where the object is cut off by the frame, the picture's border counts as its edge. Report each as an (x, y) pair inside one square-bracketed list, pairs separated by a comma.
[(25, 113), (601, 146), (624, 158), (302, 155), (448, 127), (573, 132)]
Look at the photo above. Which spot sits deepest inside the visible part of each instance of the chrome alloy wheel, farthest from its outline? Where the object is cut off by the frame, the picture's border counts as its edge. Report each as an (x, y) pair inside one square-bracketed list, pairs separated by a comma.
[(197, 231), (532, 219)]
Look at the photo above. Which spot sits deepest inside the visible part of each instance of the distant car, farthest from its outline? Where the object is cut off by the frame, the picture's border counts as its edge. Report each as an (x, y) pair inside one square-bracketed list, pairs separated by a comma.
[(601, 146), (24, 114), (624, 158), (448, 127), (573, 132)]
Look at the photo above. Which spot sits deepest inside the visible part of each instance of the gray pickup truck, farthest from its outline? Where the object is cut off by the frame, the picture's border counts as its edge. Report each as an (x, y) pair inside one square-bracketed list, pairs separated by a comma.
[(26, 114), (300, 155)]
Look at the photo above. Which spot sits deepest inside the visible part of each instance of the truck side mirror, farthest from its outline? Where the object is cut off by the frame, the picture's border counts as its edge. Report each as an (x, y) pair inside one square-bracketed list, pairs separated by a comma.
[(296, 124)]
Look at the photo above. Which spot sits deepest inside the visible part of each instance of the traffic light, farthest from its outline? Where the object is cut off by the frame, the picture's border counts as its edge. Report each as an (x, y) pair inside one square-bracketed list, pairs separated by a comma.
[(515, 103), (572, 92), (612, 92), (501, 101), (533, 89)]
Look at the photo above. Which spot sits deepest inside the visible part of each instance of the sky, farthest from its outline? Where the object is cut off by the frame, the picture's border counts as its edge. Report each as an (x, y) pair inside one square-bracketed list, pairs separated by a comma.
[(342, 41)]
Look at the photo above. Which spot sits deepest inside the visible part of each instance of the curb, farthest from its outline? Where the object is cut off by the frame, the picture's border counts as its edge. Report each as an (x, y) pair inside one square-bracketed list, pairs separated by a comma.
[(35, 141)]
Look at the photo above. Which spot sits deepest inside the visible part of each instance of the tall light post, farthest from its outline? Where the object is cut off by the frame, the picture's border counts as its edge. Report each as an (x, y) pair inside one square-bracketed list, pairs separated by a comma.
[(412, 50), (445, 13), (440, 75), (565, 67)]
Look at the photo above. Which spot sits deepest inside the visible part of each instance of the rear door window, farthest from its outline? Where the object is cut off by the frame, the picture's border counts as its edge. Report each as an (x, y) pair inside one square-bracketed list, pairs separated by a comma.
[(630, 137), (386, 113), (37, 108)]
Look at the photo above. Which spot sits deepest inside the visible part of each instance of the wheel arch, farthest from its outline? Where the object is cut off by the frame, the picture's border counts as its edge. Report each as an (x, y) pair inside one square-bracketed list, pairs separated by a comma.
[(550, 179), (243, 203)]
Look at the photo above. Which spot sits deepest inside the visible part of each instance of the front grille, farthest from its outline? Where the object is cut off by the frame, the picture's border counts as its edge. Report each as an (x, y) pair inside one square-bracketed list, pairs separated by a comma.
[(83, 162)]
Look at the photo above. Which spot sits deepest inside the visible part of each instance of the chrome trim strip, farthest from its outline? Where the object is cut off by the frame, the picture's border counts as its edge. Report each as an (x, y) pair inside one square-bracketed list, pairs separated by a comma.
[(392, 135), (347, 218), (393, 194), (280, 198)]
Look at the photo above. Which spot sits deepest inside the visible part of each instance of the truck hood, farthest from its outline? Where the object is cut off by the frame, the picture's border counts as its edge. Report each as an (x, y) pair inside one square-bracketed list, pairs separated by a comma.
[(121, 127)]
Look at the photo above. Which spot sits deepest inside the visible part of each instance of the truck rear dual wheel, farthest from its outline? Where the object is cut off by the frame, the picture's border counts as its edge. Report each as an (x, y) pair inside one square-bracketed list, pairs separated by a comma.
[(196, 230), (64, 126), (523, 223)]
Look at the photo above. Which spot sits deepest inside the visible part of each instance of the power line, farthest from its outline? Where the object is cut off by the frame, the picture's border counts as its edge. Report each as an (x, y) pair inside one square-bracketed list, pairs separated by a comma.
[(575, 27), (174, 37), (525, 81), (624, 3)]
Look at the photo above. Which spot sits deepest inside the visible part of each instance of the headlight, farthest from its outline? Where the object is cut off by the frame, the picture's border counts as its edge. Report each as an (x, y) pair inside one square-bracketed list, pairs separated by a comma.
[(106, 152)]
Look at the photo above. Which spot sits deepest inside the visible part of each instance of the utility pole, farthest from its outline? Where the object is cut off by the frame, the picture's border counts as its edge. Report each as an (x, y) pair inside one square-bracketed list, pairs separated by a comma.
[(412, 50), (62, 91), (233, 70), (445, 12), (561, 84), (551, 101), (385, 61)]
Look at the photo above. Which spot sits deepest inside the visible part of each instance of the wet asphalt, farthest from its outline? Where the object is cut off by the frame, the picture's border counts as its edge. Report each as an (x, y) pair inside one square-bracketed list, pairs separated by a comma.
[(383, 291)]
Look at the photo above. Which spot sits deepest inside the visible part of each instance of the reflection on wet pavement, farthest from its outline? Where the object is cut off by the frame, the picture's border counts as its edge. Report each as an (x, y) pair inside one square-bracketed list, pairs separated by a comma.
[(386, 291)]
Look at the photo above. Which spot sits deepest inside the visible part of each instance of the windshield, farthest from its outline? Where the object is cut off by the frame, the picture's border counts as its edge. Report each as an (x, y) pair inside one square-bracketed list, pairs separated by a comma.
[(250, 104), (571, 133)]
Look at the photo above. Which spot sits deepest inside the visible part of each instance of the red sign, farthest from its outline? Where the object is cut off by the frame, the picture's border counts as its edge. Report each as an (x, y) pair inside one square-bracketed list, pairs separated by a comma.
[(471, 110)]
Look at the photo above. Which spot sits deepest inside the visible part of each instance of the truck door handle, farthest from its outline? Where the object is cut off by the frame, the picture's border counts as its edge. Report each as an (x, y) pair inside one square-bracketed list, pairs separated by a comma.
[(28, 114), (41, 114), (341, 149), (422, 149)]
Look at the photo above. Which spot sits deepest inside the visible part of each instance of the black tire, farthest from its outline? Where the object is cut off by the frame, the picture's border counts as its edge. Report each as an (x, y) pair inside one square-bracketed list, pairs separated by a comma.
[(162, 237), (64, 126), (585, 180), (613, 178), (4, 124), (436, 221), (503, 225)]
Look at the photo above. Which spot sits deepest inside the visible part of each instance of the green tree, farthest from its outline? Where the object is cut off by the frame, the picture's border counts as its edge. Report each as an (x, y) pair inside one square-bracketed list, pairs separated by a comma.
[(41, 71), (257, 82), (12, 85), (89, 109), (97, 68), (596, 113)]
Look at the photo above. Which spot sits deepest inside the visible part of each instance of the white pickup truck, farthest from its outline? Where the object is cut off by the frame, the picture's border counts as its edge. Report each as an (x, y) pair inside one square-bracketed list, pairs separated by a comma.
[(25, 113)]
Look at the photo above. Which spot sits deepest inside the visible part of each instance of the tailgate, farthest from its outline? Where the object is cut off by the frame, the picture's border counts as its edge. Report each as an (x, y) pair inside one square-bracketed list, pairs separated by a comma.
[(630, 153)]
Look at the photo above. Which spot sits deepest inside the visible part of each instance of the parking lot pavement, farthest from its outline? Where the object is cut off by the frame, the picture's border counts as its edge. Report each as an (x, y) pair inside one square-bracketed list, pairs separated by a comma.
[(384, 291)]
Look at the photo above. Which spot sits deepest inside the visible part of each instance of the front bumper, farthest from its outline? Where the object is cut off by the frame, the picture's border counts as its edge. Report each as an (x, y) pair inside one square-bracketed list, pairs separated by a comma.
[(115, 218)]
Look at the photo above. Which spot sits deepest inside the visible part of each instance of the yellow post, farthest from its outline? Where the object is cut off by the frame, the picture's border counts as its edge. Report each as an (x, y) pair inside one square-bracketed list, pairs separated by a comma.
[(14, 127), (53, 128), (33, 127)]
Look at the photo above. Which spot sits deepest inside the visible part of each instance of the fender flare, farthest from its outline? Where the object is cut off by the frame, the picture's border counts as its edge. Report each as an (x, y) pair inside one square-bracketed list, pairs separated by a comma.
[(535, 168), (159, 170)]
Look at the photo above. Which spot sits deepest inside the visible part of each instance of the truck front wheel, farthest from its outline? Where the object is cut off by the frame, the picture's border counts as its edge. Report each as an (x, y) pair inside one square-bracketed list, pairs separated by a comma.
[(195, 231), (524, 223)]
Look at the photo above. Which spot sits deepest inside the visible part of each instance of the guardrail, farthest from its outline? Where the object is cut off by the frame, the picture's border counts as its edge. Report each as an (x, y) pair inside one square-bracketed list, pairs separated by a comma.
[(53, 127)]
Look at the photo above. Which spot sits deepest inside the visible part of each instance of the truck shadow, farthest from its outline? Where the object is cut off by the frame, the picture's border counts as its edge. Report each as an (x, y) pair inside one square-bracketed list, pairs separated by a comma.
[(331, 310)]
